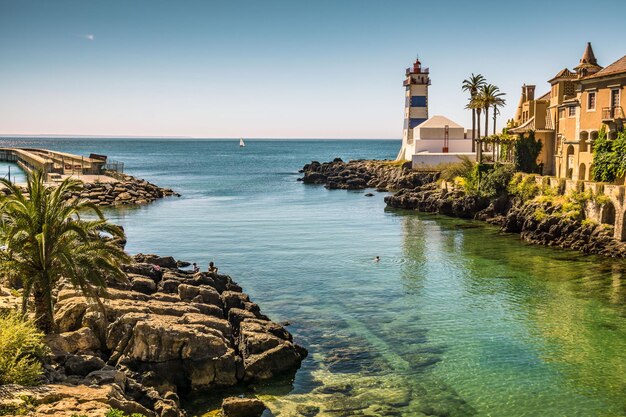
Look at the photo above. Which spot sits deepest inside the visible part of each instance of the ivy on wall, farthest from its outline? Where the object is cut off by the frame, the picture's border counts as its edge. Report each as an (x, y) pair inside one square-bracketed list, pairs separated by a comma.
[(609, 157)]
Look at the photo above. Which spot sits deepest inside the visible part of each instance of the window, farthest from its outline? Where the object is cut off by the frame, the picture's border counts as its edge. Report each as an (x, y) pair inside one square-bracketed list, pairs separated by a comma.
[(561, 113), (591, 101), (571, 111), (615, 98)]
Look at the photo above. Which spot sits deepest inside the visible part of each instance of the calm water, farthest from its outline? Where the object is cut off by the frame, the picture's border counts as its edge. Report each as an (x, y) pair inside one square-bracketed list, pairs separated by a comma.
[(456, 319)]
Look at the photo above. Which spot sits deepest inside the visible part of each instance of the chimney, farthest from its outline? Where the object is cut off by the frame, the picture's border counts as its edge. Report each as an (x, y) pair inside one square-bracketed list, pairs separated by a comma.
[(530, 92)]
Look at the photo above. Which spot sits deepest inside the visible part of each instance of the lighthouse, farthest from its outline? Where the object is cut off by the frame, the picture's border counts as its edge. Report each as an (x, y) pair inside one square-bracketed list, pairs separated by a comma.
[(415, 105)]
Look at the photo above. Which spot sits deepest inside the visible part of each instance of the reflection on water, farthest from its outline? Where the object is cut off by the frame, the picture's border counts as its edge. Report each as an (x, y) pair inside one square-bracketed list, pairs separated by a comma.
[(13, 172)]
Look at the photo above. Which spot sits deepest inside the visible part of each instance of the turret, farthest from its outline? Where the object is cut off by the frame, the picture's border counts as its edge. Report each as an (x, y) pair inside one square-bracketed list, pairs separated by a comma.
[(588, 64)]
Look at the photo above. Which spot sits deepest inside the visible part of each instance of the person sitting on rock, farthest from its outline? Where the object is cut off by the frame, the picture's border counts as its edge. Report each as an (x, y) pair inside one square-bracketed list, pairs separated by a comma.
[(196, 269), (212, 268)]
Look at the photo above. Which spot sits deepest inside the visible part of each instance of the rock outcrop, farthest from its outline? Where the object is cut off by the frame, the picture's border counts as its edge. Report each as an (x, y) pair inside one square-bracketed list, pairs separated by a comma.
[(361, 174), (162, 333)]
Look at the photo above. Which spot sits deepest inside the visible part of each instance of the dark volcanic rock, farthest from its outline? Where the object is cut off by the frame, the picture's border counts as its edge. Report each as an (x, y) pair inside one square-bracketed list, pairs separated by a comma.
[(358, 175), (82, 364)]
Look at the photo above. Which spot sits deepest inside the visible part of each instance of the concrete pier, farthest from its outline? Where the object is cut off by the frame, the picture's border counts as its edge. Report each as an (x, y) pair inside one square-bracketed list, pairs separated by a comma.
[(57, 165)]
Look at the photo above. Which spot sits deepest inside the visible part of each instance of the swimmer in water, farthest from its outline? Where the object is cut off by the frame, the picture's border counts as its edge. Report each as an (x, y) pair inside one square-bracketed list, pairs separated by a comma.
[(377, 259)]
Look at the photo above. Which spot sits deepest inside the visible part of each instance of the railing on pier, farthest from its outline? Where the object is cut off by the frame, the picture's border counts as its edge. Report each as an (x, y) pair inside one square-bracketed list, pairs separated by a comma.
[(114, 166)]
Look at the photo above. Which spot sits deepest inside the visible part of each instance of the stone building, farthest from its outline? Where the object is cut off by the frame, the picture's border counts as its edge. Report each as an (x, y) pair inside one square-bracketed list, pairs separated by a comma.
[(569, 117)]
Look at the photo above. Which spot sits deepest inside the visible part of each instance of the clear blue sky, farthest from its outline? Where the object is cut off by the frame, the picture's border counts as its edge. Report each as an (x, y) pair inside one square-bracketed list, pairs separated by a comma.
[(276, 69)]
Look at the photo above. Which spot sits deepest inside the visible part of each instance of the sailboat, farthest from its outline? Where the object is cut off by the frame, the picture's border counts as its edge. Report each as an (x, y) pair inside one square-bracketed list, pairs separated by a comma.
[(242, 144)]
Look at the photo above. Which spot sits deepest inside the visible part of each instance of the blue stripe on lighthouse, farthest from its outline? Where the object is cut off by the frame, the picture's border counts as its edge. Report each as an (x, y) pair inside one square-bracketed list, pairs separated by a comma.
[(418, 101), (414, 122)]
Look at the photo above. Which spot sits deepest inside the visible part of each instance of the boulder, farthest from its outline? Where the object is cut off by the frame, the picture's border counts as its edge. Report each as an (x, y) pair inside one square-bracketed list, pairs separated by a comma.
[(82, 340), (242, 407), (233, 299), (143, 284), (164, 262), (272, 362), (82, 365)]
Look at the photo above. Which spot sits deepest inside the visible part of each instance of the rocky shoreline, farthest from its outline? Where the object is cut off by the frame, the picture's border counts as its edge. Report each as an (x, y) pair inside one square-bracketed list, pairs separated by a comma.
[(163, 333), (124, 191), (422, 192), (362, 174), (127, 190)]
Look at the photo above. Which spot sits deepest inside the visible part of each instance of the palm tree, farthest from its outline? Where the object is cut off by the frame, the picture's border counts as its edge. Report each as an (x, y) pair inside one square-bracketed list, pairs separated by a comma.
[(476, 104), (490, 95), (473, 85), (499, 102), (45, 239)]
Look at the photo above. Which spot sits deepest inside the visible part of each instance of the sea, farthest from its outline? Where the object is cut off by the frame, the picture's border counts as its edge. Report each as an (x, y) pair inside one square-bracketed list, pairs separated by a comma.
[(457, 318)]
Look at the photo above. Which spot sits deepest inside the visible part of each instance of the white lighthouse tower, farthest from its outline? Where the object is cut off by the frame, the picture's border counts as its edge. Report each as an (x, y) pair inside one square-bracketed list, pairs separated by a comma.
[(415, 106)]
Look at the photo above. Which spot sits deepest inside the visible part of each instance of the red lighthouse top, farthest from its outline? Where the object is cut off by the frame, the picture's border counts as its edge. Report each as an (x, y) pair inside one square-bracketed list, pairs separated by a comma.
[(417, 66)]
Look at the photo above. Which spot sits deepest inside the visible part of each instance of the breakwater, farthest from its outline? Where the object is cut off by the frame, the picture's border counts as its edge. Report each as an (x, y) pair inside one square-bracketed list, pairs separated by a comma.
[(118, 189), (162, 333)]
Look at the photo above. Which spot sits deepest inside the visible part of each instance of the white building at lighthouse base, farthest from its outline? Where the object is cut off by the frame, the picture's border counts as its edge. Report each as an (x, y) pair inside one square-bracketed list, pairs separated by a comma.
[(438, 140)]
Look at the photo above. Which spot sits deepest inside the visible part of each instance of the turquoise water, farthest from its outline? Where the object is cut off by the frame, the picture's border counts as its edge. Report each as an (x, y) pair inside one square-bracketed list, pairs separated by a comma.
[(456, 320)]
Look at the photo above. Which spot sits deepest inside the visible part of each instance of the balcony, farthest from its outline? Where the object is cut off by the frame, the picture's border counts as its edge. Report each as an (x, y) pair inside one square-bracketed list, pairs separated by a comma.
[(413, 71), (612, 113)]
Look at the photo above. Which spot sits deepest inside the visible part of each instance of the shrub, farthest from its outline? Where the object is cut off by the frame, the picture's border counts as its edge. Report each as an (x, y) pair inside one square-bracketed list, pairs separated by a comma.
[(524, 187), (24, 407), (463, 169), (601, 199), (496, 181), (527, 150), (609, 157), (114, 412), (21, 350)]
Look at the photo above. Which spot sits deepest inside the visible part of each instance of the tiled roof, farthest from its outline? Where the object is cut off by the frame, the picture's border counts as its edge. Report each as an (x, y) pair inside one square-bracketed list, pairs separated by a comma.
[(439, 121), (565, 73), (588, 56), (618, 67), (528, 125)]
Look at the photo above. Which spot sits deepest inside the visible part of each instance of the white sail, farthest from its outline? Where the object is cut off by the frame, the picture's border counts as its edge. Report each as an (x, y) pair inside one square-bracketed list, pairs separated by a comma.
[(241, 143)]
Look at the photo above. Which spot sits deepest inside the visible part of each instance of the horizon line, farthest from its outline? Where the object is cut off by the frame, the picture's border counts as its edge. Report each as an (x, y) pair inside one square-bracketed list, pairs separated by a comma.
[(57, 136)]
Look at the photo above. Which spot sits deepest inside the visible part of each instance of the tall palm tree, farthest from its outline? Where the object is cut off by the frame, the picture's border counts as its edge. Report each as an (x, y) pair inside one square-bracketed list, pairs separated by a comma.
[(473, 85), (490, 95), (499, 102), (45, 239)]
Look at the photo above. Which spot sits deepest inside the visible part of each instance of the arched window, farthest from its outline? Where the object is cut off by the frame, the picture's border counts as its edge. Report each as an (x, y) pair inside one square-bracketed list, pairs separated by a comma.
[(569, 161), (608, 214)]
